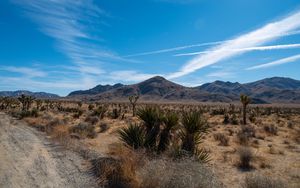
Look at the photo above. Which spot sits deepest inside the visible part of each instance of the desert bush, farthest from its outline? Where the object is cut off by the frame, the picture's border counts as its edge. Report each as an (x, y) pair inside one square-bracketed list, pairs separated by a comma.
[(116, 113), (234, 120), (84, 129), (104, 127), (92, 119), (245, 158), (261, 181), (111, 172), (222, 138), (49, 127), (245, 134), (271, 129), (100, 111), (91, 107), (78, 113), (218, 111), (26, 113), (176, 174), (226, 119)]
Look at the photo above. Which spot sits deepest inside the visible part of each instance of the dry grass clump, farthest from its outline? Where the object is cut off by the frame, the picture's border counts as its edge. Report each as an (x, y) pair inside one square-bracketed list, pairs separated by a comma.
[(52, 124), (119, 170), (92, 120), (84, 129), (222, 138), (103, 127), (271, 129), (111, 172), (245, 134), (176, 174), (260, 181), (245, 158)]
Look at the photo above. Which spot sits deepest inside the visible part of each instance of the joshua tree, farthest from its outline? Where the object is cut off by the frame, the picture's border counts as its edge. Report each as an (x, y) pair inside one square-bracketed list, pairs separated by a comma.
[(39, 103), (245, 100), (26, 102), (133, 99)]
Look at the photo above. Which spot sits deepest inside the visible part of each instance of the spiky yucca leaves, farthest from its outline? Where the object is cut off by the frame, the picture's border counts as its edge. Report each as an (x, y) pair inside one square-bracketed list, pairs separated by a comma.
[(152, 118), (202, 155), (133, 136), (170, 121), (245, 100), (194, 126)]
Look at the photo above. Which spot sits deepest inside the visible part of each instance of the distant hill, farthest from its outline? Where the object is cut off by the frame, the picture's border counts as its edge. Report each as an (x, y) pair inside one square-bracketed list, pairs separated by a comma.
[(39, 95), (96, 90), (269, 90)]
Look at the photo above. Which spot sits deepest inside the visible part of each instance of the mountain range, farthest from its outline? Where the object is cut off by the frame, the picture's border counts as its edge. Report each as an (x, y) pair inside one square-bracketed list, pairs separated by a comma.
[(269, 90), (38, 95), (159, 89)]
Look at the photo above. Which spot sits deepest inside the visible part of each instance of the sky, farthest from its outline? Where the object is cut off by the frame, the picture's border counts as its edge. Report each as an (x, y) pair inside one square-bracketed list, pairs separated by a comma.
[(59, 46)]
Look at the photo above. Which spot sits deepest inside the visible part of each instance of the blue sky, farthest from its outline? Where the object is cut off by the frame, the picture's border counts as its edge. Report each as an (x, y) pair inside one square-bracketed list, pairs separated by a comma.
[(59, 46)]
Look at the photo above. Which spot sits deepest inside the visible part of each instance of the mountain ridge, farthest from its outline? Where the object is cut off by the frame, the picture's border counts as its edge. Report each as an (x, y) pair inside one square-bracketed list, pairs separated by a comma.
[(268, 90), (39, 95)]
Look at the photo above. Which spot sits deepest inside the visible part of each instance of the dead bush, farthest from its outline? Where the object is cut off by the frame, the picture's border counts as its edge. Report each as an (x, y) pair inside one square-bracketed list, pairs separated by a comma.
[(176, 174), (92, 119), (271, 129), (245, 134), (111, 172), (84, 129), (245, 158), (261, 181), (103, 127), (222, 138)]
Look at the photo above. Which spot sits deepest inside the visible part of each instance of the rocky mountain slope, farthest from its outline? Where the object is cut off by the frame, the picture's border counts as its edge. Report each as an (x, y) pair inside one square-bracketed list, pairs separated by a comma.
[(269, 90), (39, 95)]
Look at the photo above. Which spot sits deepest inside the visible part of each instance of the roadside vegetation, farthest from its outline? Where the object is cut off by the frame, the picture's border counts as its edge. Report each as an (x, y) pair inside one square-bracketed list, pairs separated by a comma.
[(136, 144)]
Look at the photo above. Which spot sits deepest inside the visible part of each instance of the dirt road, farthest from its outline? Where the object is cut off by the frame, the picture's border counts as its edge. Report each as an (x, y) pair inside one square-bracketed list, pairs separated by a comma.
[(28, 159)]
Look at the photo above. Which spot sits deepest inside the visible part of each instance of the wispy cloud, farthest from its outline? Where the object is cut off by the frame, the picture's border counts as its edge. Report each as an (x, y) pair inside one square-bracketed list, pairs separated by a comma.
[(256, 48), (199, 45), (174, 49), (257, 37), (72, 23), (25, 71), (277, 62)]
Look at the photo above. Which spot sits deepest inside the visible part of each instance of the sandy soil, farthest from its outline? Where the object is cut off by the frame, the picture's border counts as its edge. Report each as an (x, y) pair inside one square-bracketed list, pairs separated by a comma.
[(28, 159)]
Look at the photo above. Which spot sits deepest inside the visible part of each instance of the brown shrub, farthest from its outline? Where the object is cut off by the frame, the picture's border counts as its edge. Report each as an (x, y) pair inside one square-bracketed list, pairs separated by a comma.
[(260, 181), (119, 170), (222, 138), (245, 156), (84, 129), (92, 119), (111, 172), (271, 129), (245, 134), (176, 174)]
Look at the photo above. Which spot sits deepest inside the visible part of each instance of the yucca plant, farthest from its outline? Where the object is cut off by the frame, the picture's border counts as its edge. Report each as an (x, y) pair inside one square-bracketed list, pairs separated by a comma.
[(194, 126), (170, 121), (133, 136), (202, 155), (245, 100), (152, 119)]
